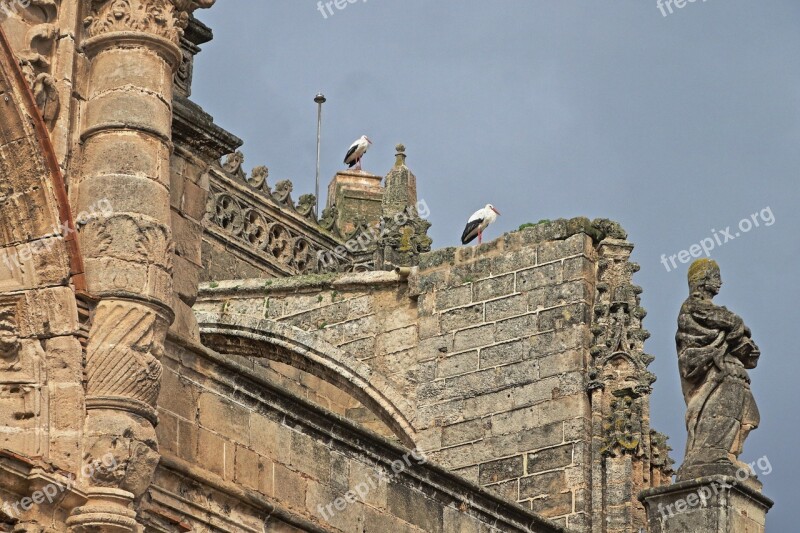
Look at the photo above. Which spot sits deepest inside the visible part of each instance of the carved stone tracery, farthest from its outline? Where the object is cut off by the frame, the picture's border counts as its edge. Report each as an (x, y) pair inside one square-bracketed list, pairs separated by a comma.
[(262, 232), (257, 220), (620, 384), (623, 424)]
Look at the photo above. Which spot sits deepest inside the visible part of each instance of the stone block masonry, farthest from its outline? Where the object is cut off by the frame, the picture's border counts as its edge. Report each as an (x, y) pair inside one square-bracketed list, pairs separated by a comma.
[(489, 345), (248, 455), (516, 367), (507, 332)]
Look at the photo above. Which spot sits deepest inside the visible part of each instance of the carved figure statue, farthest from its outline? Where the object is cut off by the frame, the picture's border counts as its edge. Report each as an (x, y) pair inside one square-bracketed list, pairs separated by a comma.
[(233, 164), (714, 351)]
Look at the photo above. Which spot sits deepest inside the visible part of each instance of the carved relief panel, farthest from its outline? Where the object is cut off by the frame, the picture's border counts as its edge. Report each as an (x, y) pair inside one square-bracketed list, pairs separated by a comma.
[(23, 397)]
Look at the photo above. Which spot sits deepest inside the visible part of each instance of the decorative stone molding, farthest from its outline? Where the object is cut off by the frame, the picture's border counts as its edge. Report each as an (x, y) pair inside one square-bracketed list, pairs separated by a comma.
[(625, 458), (122, 355), (617, 322), (623, 425), (89, 518), (36, 33), (267, 222), (9, 333), (164, 18), (264, 233)]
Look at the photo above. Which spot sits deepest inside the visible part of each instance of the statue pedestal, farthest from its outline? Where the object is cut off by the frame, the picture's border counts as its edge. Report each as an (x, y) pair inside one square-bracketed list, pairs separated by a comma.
[(712, 504)]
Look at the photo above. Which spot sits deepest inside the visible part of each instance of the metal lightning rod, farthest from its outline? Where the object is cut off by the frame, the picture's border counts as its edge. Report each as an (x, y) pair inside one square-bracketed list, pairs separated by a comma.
[(319, 99)]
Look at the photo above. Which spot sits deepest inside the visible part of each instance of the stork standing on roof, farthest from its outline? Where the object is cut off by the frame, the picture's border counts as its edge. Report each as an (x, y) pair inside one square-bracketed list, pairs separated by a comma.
[(478, 222), (356, 152)]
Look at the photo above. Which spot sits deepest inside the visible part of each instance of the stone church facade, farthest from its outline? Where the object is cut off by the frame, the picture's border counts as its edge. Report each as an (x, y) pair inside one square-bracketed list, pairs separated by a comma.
[(185, 347)]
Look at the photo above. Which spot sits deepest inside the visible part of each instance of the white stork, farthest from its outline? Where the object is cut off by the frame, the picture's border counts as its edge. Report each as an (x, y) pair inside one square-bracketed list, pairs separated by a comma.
[(356, 152), (478, 222)]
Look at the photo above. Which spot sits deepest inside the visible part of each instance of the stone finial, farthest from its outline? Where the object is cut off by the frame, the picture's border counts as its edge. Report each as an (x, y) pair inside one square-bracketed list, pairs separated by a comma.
[(715, 350), (400, 156), (258, 178), (404, 234)]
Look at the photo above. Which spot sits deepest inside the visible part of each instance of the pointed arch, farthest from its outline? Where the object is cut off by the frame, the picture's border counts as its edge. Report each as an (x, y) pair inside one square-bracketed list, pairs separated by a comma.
[(30, 175)]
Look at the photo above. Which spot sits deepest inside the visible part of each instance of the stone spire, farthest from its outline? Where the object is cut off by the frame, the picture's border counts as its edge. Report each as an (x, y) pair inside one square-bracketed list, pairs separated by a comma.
[(404, 233)]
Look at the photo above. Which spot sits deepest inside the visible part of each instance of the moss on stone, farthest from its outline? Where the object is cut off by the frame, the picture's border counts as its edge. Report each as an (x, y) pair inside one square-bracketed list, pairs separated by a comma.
[(532, 224)]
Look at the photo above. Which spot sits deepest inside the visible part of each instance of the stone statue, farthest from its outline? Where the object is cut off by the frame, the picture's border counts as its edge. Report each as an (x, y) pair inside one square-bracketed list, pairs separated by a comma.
[(714, 351)]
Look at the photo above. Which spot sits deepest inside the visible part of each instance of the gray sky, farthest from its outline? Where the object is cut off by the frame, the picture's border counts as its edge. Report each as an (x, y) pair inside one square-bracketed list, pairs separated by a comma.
[(673, 126)]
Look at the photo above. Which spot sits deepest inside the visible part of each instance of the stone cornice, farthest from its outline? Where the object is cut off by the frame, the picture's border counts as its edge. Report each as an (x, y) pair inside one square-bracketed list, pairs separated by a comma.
[(194, 128)]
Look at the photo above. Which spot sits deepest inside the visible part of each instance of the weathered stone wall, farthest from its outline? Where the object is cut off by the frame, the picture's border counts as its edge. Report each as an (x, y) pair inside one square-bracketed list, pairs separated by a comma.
[(503, 363), (489, 344), (504, 335), (198, 144), (368, 315), (266, 456), (41, 373)]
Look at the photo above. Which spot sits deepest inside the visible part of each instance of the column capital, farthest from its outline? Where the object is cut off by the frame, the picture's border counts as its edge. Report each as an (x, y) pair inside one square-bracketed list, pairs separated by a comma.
[(163, 18)]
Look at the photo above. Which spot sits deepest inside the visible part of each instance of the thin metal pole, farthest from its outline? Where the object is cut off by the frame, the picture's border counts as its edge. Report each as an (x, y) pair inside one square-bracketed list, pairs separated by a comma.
[(319, 99)]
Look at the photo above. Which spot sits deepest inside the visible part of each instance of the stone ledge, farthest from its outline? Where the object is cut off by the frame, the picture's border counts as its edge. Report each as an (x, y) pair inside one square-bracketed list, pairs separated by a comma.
[(556, 230), (21, 476), (265, 504), (297, 284), (692, 485), (195, 128)]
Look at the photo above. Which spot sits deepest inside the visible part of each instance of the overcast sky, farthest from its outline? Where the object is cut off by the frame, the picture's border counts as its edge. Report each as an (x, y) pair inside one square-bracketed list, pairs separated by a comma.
[(672, 125)]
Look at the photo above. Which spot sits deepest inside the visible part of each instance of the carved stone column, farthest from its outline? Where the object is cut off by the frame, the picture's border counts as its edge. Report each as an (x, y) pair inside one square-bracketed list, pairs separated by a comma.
[(132, 47)]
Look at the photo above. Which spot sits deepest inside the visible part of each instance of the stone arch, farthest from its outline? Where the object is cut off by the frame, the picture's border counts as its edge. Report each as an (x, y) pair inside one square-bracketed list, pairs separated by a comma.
[(253, 337), (36, 208), (39, 260)]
